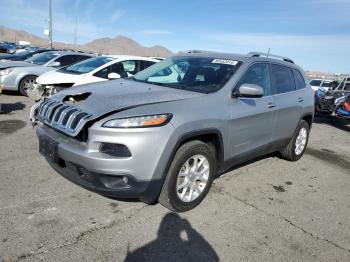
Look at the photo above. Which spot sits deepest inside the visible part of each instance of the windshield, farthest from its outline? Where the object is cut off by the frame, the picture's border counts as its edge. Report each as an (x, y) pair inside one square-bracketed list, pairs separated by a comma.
[(327, 84), (315, 82), (198, 74), (87, 66), (42, 58)]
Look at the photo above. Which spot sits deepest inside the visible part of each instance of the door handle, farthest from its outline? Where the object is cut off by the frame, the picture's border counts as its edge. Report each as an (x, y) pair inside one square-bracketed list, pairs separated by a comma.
[(300, 99), (271, 105)]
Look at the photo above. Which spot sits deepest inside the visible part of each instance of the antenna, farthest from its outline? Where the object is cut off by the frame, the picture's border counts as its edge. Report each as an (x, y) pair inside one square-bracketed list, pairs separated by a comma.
[(268, 53)]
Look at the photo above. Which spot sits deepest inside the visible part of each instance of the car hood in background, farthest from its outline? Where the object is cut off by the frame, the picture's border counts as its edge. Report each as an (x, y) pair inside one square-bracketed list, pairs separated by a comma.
[(57, 77), (112, 96), (8, 64)]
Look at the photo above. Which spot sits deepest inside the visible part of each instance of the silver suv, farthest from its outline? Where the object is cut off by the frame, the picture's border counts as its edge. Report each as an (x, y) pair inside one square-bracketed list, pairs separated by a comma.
[(164, 134)]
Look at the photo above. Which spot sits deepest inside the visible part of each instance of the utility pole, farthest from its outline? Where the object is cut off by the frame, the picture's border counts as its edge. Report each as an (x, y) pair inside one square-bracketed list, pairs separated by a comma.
[(50, 23), (75, 33)]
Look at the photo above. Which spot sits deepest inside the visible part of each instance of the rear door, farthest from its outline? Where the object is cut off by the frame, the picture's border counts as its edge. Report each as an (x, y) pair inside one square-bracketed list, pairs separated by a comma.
[(252, 118), (289, 102)]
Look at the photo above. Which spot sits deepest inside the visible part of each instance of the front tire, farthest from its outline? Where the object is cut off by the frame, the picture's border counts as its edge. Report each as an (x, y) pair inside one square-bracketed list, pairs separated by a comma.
[(189, 178), (25, 84), (297, 145)]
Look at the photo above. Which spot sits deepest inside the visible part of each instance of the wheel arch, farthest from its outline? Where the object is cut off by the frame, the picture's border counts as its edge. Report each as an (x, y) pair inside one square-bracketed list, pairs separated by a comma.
[(308, 118), (21, 77), (208, 136)]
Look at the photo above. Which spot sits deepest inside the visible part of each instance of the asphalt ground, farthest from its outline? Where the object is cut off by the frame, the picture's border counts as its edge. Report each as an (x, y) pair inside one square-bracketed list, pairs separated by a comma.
[(266, 210)]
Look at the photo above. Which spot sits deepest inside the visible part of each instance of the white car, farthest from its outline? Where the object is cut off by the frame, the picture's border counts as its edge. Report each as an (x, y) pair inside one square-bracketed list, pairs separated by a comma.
[(96, 69), (324, 83)]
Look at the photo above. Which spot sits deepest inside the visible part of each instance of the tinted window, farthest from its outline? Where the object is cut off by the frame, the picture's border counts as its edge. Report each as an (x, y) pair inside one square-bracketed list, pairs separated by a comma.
[(282, 79), (299, 79), (327, 84), (87, 65), (70, 59), (146, 64), (257, 74), (115, 68), (347, 87), (315, 82), (42, 58)]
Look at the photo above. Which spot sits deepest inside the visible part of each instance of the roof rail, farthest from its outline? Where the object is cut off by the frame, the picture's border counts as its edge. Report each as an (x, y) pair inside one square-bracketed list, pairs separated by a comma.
[(195, 51), (259, 54)]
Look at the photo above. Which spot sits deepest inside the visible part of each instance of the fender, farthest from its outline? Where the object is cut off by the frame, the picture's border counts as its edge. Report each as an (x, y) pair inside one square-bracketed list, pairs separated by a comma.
[(20, 77)]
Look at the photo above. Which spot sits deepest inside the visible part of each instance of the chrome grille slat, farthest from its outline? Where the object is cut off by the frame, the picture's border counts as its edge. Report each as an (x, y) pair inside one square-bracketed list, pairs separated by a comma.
[(45, 108), (67, 116), (82, 121), (49, 111), (71, 118), (58, 113), (63, 114), (63, 117), (52, 113)]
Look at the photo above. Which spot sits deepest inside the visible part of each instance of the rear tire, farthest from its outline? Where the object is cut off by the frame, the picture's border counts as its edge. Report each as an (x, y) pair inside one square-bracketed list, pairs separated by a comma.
[(297, 145), (184, 187), (26, 83)]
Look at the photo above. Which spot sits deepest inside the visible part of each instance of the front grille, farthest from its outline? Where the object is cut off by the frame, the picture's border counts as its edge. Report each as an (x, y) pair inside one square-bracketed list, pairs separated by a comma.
[(63, 117)]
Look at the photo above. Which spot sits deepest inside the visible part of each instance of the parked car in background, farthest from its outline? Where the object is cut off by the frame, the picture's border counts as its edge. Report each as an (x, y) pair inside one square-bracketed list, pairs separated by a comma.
[(95, 69), (7, 48), (324, 83), (21, 76), (22, 55), (343, 109), (153, 139), (326, 100)]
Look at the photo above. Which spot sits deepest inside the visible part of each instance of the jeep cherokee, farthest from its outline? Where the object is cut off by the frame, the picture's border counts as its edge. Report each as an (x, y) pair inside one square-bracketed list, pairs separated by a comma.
[(164, 134)]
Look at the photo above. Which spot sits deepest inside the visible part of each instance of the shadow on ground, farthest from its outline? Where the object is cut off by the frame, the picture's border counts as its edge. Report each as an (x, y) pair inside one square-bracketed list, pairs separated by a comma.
[(10, 126), (176, 241), (339, 123), (8, 108)]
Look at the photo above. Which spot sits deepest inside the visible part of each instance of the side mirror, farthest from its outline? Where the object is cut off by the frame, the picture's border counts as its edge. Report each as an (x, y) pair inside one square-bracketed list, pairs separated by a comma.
[(113, 76), (248, 90), (55, 64)]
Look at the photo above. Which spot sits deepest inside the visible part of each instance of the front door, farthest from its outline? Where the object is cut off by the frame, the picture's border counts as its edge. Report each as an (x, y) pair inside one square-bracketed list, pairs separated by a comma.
[(252, 119)]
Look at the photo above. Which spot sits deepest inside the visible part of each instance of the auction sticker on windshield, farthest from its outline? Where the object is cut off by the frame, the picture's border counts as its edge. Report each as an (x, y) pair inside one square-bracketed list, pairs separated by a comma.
[(224, 62)]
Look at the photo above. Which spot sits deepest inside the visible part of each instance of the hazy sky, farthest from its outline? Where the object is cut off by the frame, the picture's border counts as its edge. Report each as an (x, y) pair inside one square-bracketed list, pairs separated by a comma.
[(315, 33)]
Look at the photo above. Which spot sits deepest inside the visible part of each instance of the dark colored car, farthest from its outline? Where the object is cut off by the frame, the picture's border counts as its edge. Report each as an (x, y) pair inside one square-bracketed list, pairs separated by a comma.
[(23, 55), (7, 48)]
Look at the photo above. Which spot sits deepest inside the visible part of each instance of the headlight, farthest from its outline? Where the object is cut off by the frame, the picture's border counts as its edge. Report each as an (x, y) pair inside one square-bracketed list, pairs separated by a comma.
[(139, 121), (6, 72)]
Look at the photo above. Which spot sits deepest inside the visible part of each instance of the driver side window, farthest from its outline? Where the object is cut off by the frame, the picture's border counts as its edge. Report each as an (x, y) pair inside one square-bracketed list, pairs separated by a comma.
[(257, 74)]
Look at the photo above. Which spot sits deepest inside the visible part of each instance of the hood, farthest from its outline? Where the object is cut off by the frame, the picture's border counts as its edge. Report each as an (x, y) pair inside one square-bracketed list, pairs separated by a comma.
[(57, 77), (115, 95), (82, 104), (8, 64)]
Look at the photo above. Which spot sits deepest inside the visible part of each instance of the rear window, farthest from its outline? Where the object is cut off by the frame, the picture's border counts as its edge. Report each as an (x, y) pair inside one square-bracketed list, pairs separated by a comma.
[(282, 79), (299, 79), (315, 82), (327, 84)]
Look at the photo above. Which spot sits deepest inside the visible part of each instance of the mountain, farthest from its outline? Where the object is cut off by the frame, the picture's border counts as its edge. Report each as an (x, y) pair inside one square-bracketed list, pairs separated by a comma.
[(118, 45)]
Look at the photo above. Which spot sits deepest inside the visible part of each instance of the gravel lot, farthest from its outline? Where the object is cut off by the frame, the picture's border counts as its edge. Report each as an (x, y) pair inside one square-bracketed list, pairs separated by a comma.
[(266, 210)]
